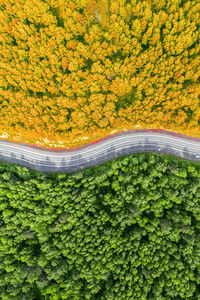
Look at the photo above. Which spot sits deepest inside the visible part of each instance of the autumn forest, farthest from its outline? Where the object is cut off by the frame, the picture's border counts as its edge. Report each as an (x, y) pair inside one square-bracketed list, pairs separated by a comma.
[(71, 74)]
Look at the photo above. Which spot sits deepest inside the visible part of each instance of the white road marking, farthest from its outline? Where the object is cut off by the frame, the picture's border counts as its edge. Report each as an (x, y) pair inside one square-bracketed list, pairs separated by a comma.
[(88, 155)]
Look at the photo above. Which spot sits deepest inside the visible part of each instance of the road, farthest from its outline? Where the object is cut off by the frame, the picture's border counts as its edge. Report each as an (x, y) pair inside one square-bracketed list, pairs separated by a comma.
[(125, 143)]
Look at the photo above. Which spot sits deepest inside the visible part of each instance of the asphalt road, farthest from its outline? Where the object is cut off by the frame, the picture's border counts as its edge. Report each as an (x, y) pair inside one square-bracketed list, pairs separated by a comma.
[(90, 155)]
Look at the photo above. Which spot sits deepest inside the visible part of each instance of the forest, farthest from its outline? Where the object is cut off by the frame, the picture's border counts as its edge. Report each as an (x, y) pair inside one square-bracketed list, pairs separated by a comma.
[(71, 74), (125, 229)]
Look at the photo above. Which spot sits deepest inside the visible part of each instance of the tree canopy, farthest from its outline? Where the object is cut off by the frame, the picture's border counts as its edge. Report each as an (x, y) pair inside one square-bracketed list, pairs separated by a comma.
[(125, 229), (81, 69)]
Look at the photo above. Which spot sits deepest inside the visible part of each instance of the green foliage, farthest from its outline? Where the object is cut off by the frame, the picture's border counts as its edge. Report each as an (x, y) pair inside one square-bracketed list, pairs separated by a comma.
[(126, 229)]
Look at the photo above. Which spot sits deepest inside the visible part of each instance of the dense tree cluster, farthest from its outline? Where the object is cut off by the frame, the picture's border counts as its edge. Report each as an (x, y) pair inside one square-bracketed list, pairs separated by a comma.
[(126, 229), (71, 69)]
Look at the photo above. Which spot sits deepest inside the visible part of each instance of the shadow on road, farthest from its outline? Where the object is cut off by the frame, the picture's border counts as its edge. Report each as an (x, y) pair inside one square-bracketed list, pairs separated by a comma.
[(81, 160)]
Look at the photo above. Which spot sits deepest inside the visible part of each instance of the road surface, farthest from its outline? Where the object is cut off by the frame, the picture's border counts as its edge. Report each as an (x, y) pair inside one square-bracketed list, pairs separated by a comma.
[(125, 143)]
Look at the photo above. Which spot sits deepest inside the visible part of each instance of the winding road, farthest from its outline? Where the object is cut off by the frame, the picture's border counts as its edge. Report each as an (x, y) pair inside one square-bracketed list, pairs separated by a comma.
[(120, 144)]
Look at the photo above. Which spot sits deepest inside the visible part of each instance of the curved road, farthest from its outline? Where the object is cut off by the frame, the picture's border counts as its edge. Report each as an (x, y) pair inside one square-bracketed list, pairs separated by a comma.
[(128, 142)]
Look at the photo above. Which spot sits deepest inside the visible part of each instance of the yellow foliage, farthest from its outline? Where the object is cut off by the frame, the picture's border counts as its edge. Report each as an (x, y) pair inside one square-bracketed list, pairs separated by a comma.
[(70, 69)]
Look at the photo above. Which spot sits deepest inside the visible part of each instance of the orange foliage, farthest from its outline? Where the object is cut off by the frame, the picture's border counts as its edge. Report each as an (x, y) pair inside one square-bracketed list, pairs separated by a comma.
[(76, 69)]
